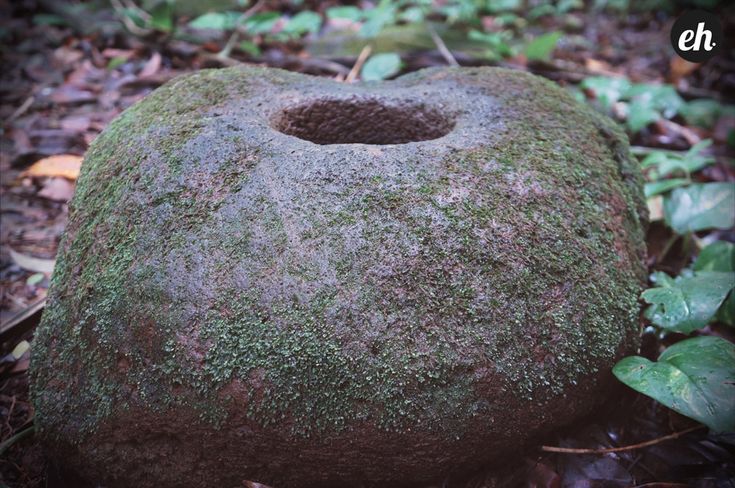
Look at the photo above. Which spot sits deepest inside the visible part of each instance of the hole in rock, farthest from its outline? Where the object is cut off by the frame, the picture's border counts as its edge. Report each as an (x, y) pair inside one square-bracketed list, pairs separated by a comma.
[(364, 121)]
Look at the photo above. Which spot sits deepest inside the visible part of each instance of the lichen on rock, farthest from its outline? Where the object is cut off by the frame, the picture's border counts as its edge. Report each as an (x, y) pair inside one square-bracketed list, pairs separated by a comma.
[(233, 302)]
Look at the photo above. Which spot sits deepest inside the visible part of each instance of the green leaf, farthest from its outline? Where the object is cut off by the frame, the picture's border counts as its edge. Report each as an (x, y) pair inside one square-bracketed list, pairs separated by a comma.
[(718, 256), (641, 114), (700, 206), (726, 314), (116, 61), (542, 47), (496, 43), (695, 377), (261, 23), (349, 12), (413, 15), (662, 98), (687, 303), (607, 90), (377, 18), (303, 22), (250, 47), (162, 16), (35, 279), (702, 113), (216, 21), (381, 66), (497, 6), (658, 187), (664, 163), (48, 19)]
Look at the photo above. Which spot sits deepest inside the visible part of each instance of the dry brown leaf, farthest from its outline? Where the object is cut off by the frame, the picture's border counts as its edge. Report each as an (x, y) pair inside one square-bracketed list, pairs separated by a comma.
[(57, 189), (64, 165), (680, 68), (598, 67), (151, 67)]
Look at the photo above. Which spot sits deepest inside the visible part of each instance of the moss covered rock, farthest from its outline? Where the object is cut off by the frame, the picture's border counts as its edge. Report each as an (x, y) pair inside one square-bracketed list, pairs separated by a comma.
[(282, 278)]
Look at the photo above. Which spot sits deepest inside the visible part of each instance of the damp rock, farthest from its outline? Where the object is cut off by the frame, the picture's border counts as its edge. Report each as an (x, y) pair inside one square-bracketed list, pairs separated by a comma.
[(281, 278)]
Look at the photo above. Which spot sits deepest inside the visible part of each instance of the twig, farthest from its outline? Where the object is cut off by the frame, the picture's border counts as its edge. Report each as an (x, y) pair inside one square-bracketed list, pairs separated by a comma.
[(568, 450), (225, 52), (352, 75), (21, 110), (12, 440), (445, 52)]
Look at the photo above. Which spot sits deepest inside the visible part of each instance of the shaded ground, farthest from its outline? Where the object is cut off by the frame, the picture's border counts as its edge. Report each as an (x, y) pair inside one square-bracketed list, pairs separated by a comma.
[(60, 88)]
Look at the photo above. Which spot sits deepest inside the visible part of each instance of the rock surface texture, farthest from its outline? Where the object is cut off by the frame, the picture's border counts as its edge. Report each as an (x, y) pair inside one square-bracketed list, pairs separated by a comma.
[(281, 278)]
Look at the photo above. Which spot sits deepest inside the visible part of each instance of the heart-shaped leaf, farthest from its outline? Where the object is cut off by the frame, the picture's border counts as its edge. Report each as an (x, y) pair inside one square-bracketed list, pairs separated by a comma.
[(541, 47), (687, 303), (701, 206), (718, 256), (695, 377), (658, 187), (381, 66)]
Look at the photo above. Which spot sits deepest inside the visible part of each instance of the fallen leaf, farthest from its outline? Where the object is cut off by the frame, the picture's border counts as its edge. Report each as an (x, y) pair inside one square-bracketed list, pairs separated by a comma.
[(66, 56), (680, 68), (69, 95), (37, 265), (151, 67), (656, 208), (63, 165), (57, 189), (117, 53), (598, 67), (76, 123)]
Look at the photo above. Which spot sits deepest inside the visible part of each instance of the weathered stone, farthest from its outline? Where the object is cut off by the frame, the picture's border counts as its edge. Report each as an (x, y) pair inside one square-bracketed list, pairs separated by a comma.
[(233, 302)]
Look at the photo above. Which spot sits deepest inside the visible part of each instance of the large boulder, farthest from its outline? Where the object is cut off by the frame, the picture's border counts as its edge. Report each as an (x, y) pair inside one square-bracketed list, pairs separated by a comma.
[(282, 278)]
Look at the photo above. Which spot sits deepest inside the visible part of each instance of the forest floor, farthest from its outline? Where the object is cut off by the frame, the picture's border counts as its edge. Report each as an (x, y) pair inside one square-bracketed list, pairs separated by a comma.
[(62, 83)]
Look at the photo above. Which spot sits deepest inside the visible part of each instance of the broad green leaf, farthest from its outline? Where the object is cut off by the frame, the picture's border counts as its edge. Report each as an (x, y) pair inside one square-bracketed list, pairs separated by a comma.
[(542, 47), (377, 18), (662, 98), (702, 113), (663, 163), (349, 12), (250, 47), (261, 23), (640, 114), (701, 206), (162, 16), (116, 61), (216, 21), (718, 256), (607, 90), (35, 279), (496, 42), (687, 303), (381, 66), (658, 187), (303, 22), (726, 314), (48, 19), (497, 6), (695, 377), (412, 15)]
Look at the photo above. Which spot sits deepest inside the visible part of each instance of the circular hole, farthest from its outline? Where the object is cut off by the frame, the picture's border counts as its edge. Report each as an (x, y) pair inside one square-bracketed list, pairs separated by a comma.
[(362, 120)]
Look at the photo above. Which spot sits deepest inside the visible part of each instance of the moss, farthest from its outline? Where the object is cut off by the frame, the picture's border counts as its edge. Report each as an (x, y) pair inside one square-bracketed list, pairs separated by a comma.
[(372, 303)]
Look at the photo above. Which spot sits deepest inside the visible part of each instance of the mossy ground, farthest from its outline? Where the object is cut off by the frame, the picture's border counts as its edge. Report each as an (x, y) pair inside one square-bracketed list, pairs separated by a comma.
[(388, 299)]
